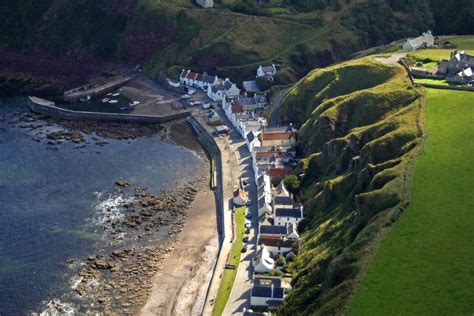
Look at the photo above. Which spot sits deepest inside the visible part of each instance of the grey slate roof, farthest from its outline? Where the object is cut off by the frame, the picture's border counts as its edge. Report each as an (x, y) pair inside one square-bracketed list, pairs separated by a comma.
[(273, 230), (288, 212), (208, 79), (266, 291), (283, 200), (250, 86), (250, 136)]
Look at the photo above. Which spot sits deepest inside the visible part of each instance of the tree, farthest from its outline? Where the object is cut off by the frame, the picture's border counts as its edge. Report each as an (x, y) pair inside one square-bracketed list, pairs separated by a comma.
[(263, 83), (292, 183)]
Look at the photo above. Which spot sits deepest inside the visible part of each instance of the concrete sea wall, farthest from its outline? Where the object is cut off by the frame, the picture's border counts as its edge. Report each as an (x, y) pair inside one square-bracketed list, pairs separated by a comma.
[(48, 108)]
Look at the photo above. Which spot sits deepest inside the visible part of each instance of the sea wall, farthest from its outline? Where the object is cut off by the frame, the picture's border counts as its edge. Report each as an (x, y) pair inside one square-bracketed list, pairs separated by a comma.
[(214, 152), (48, 108)]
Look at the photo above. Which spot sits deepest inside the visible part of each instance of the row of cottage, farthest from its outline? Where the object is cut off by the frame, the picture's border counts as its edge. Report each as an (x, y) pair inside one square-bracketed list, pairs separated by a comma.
[(272, 151), (217, 88)]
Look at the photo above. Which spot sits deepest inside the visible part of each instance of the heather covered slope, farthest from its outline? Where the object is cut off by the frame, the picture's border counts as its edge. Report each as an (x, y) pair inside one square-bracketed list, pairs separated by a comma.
[(361, 134)]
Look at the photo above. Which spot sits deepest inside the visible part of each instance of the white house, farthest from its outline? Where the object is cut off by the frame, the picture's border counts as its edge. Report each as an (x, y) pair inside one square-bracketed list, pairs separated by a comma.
[(288, 231), (188, 77), (262, 262), (277, 246), (252, 140), (286, 216), (267, 71), (281, 190), (263, 206), (267, 293), (279, 136), (264, 187), (224, 88), (425, 40), (205, 3)]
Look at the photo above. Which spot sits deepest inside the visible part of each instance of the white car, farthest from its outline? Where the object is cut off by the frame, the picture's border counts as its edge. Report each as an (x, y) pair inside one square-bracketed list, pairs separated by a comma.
[(195, 103), (206, 106), (185, 96), (191, 91)]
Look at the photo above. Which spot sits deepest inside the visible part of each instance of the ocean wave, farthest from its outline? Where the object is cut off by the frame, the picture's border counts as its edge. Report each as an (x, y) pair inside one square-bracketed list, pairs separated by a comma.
[(110, 210), (56, 308)]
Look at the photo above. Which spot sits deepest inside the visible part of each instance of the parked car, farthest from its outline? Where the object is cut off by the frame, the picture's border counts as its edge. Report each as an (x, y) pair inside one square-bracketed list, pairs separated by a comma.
[(248, 215), (195, 103), (245, 182), (247, 225), (191, 91), (249, 202), (246, 240), (247, 231), (244, 248)]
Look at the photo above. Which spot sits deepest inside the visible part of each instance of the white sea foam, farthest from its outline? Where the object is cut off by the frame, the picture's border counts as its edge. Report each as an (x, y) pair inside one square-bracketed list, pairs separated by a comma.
[(110, 210), (55, 308)]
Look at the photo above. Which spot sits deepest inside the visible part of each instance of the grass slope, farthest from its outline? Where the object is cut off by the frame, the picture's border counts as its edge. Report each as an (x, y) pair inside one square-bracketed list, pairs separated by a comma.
[(425, 264), (228, 277), (361, 128)]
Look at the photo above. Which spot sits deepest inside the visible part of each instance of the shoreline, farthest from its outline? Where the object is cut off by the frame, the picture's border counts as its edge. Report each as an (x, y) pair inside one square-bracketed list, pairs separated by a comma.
[(184, 269)]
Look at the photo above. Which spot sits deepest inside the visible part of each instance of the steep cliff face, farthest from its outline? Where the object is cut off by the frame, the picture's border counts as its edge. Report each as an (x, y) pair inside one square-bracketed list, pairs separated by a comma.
[(361, 131)]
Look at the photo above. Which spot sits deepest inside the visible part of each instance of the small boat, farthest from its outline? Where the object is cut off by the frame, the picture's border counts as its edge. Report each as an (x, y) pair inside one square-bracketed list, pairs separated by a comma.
[(113, 101), (85, 98), (134, 103), (109, 94), (124, 108), (105, 100), (116, 94)]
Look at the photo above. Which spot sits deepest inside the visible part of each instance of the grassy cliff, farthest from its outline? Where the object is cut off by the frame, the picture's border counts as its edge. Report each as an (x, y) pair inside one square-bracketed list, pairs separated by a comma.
[(362, 123)]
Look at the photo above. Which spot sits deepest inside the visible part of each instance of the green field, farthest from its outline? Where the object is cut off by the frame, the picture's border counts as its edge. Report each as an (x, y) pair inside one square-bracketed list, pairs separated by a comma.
[(439, 82), (228, 276), (425, 265)]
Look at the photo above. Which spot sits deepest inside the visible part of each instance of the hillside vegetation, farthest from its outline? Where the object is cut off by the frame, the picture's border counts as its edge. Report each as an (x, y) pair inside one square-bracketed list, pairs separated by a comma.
[(361, 132), (424, 265), (230, 40)]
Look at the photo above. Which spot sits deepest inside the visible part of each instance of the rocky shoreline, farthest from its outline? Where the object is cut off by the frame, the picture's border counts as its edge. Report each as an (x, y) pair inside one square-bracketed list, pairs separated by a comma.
[(118, 279)]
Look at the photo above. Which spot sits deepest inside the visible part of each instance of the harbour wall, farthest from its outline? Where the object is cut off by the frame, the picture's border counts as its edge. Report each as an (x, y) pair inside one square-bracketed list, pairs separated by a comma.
[(48, 108)]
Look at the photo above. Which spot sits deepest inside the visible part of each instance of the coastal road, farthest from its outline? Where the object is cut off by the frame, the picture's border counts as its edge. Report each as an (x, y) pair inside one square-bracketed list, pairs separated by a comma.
[(275, 106)]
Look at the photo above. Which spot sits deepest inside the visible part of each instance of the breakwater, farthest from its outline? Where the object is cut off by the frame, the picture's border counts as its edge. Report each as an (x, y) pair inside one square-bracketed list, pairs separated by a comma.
[(94, 90), (48, 108)]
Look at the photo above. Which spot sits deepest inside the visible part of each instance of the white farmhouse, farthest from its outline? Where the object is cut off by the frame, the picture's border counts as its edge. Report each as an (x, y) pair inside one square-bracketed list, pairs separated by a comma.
[(205, 3), (423, 41), (267, 71)]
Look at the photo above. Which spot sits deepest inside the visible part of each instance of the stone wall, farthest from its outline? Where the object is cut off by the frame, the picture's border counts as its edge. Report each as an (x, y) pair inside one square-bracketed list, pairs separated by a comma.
[(47, 108)]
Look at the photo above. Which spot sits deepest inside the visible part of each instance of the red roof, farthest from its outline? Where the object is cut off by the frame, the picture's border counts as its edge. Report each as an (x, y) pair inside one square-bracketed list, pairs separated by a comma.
[(278, 136), (269, 154), (183, 73), (279, 173), (191, 75), (237, 108)]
